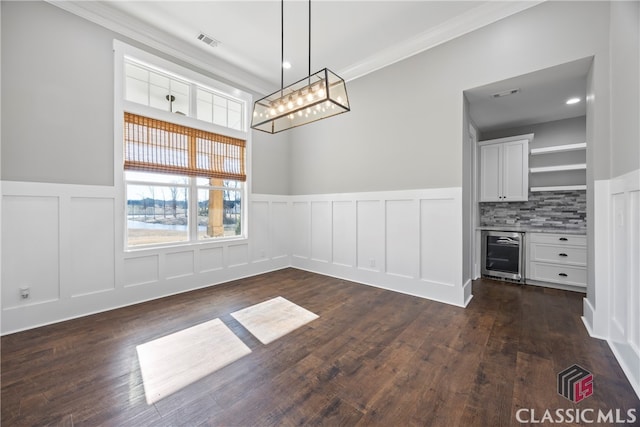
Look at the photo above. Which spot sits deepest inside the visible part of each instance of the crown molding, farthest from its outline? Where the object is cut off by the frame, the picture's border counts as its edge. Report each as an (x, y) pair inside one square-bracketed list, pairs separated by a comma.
[(100, 13), (464, 23)]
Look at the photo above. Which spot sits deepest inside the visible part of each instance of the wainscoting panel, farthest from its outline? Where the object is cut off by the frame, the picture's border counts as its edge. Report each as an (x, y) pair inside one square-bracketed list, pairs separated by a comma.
[(211, 259), (92, 246), (619, 284), (178, 264), (238, 255), (301, 219), (438, 237), (280, 229), (259, 230), (634, 279), (141, 270), (370, 235), (320, 237), (408, 241), (32, 223), (344, 233), (402, 238)]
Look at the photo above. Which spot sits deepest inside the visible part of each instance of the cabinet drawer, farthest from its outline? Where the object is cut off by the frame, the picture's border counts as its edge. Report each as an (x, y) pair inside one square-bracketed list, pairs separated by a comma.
[(558, 239), (558, 254), (566, 275)]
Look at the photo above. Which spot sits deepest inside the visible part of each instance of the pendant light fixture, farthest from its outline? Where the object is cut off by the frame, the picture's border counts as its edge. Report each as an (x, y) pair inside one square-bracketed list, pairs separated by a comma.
[(317, 96)]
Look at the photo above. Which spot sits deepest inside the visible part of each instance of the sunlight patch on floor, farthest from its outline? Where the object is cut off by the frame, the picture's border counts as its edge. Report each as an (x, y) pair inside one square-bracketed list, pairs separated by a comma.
[(273, 318), (172, 362)]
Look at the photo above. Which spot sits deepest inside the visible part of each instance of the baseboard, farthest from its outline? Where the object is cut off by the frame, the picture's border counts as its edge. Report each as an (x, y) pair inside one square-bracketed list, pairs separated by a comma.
[(629, 361)]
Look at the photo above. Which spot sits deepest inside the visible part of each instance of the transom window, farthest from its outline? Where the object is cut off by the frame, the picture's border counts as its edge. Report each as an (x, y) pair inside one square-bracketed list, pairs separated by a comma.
[(148, 86)]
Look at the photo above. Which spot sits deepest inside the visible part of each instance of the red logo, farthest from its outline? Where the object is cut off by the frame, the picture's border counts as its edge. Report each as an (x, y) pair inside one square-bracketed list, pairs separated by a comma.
[(575, 383)]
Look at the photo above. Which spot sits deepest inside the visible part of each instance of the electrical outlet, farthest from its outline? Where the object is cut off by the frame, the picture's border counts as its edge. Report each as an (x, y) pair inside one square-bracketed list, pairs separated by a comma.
[(25, 292), (372, 263)]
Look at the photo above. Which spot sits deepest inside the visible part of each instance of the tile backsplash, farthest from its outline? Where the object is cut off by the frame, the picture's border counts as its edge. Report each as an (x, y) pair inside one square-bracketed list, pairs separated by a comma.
[(546, 209)]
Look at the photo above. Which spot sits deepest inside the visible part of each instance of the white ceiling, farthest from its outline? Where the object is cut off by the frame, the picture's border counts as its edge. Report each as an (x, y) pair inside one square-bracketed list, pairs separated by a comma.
[(350, 37)]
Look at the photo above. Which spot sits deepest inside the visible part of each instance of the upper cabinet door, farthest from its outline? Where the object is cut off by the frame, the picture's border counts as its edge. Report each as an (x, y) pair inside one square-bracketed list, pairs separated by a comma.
[(490, 173), (515, 182), (504, 169)]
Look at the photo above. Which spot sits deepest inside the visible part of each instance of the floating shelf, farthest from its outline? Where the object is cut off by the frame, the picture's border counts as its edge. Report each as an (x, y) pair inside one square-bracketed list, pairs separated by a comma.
[(559, 148), (559, 188), (559, 168)]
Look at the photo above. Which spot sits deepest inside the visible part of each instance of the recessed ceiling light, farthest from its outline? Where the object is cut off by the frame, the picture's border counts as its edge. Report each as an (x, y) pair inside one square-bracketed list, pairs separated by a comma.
[(286, 65), (571, 101)]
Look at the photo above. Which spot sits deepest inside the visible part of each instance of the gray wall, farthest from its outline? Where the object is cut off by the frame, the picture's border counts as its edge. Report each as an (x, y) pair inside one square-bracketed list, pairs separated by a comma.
[(270, 171), (57, 102), (57, 98), (405, 127), (625, 87)]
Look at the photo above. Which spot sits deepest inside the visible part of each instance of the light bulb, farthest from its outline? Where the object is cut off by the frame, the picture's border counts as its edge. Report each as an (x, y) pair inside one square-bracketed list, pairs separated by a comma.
[(299, 100), (309, 96), (290, 104), (281, 108), (273, 111)]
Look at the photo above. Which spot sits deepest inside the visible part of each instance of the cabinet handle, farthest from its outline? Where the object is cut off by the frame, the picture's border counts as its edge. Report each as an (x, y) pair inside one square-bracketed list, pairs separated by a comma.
[(563, 275), (563, 254), (563, 239)]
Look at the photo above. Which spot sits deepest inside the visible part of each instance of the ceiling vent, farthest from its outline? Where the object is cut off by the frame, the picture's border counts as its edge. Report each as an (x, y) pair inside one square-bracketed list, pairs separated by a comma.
[(505, 93), (208, 40)]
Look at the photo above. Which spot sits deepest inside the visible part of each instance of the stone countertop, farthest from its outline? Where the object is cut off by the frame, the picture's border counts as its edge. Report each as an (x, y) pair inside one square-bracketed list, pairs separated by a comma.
[(530, 229)]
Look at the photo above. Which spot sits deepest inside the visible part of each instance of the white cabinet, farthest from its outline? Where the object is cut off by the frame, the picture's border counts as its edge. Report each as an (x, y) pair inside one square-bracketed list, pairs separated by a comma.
[(504, 169), (557, 259)]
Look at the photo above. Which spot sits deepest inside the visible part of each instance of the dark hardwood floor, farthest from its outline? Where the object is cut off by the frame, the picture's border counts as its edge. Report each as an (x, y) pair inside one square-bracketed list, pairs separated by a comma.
[(374, 357)]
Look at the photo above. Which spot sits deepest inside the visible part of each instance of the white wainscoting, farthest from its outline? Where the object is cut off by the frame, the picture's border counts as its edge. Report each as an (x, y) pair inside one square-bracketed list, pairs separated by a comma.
[(64, 242), (615, 316), (407, 241)]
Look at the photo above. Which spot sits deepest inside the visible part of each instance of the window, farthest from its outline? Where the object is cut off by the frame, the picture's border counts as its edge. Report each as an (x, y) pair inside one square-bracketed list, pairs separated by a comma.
[(163, 163), (184, 155)]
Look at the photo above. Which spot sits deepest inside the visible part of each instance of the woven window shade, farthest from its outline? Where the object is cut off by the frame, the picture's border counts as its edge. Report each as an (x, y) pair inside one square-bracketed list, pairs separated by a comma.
[(155, 146)]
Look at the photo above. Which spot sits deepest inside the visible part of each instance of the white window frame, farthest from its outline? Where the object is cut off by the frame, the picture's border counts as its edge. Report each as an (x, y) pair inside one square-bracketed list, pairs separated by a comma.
[(122, 52)]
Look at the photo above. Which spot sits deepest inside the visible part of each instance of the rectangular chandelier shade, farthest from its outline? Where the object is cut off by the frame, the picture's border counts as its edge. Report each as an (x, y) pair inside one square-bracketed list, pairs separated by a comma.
[(316, 97)]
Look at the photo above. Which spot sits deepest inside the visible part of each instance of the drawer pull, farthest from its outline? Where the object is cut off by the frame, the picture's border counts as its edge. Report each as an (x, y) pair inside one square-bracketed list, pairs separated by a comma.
[(563, 275), (563, 254), (563, 239)]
